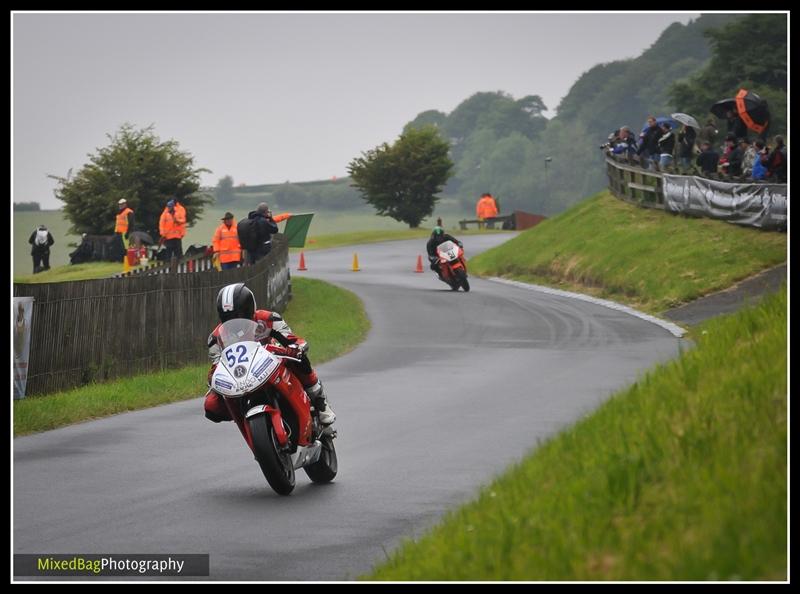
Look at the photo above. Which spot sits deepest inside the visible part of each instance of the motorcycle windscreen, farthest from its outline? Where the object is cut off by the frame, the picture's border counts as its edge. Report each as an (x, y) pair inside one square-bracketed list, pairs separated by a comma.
[(448, 250)]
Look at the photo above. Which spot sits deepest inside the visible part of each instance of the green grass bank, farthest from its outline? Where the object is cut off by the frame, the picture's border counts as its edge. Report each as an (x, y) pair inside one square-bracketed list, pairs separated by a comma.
[(646, 258), (330, 318), (682, 476)]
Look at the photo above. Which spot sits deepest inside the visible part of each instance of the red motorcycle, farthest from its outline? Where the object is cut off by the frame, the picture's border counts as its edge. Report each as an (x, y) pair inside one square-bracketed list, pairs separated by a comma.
[(452, 265), (272, 410)]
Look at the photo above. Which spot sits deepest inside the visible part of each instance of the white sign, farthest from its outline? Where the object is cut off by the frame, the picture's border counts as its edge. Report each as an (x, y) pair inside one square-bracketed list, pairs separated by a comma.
[(21, 318)]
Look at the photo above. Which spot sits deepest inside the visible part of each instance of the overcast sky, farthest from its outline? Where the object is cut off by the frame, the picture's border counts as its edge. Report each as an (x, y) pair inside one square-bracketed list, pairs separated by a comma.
[(273, 97)]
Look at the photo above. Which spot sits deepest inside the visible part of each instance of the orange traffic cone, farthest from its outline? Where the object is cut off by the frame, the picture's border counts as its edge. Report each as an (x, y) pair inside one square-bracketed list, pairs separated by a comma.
[(419, 264), (355, 262), (302, 262)]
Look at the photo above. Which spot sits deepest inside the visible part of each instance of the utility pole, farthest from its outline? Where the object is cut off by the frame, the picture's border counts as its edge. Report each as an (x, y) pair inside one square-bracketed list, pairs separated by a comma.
[(546, 184)]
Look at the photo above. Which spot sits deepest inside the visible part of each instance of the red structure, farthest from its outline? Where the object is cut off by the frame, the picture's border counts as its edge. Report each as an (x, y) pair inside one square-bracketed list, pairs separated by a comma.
[(526, 220)]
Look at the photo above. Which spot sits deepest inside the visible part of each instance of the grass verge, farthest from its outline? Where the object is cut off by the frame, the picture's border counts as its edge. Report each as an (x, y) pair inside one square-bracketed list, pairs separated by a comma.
[(72, 272), (646, 258), (330, 318), (683, 476)]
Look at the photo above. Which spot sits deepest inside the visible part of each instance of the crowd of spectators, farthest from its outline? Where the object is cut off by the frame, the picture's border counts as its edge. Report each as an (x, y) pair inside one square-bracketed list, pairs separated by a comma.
[(691, 151)]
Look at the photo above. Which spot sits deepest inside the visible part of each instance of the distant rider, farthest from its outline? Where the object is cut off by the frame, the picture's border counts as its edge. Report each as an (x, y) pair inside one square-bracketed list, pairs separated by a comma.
[(438, 237), (237, 301)]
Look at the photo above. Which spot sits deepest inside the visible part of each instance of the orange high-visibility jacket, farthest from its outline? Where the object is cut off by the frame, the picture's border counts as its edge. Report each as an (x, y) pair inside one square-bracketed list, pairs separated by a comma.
[(226, 243), (486, 208), (173, 226), (281, 217), (122, 220)]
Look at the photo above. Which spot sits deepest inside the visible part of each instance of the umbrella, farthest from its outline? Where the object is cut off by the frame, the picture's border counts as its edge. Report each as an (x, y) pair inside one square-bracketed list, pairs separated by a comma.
[(685, 118), (721, 108), (751, 108), (660, 120), (141, 236)]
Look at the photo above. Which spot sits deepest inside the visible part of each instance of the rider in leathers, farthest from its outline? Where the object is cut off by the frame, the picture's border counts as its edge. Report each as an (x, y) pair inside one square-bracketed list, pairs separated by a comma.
[(237, 301)]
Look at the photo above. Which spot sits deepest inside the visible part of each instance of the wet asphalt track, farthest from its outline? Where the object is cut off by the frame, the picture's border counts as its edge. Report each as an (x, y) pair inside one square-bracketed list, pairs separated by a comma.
[(446, 392)]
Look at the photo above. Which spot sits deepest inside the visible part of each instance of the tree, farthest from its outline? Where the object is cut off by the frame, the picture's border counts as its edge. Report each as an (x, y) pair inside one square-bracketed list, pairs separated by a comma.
[(135, 166), (401, 181), (749, 53), (224, 193)]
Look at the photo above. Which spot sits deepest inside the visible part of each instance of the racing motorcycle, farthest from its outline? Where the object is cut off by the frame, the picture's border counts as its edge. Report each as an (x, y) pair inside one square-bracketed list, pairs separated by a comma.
[(453, 265), (269, 405)]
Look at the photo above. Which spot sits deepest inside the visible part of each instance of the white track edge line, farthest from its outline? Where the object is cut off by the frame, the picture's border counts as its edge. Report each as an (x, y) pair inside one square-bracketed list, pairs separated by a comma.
[(674, 329)]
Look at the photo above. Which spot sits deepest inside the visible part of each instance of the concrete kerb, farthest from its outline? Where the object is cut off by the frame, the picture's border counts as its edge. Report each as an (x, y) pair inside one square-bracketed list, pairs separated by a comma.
[(674, 329)]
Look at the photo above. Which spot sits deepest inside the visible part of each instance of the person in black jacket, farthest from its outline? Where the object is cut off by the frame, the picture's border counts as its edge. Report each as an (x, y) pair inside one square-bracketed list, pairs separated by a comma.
[(686, 140), (264, 227), (666, 146), (648, 147), (438, 237), (708, 159), (40, 241)]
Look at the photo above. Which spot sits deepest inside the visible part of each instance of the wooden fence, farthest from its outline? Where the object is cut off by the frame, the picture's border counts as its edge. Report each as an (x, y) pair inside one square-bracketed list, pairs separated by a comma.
[(634, 184), (95, 330)]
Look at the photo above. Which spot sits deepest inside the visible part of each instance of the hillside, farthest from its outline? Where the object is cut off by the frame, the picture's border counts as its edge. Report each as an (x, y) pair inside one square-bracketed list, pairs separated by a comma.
[(500, 144), (646, 258)]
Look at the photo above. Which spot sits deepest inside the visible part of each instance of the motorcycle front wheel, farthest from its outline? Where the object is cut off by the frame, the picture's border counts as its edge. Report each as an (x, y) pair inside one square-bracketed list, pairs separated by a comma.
[(324, 470), (276, 465), (461, 279)]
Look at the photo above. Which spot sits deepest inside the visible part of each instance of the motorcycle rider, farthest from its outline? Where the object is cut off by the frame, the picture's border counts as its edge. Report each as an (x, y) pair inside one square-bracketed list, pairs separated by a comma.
[(438, 237), (237, 301)]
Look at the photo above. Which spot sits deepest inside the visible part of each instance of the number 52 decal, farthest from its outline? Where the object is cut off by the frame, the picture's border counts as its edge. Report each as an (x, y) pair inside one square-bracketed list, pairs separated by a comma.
[(231, 358)]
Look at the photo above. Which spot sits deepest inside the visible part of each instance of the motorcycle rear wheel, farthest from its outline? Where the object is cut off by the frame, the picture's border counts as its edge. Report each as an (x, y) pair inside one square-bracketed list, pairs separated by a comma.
[(324, 470), (276, 466)]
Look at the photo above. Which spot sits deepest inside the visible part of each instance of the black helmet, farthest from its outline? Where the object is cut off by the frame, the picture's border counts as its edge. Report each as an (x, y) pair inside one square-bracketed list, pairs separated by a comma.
[(235, 301)]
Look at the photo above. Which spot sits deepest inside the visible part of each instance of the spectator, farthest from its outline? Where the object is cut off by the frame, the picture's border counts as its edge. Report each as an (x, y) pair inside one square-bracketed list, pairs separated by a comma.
[(708, 158), (172, 227), (708, 133), (735, 158), (686, 140), (486, 208), (778, 161), (124, 222), (40, 241), (255, 233), (225, 243), (730, 144), (749, 156), (666, 146), (736, 127), (624, 143), (761, 160), (648, 150)]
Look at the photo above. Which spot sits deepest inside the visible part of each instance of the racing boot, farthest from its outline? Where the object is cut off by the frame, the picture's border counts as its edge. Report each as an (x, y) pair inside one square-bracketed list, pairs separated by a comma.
[(317, 395)]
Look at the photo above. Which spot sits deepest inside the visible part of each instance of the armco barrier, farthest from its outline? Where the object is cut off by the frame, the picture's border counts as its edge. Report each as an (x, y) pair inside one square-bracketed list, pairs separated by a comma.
[(85, 331)]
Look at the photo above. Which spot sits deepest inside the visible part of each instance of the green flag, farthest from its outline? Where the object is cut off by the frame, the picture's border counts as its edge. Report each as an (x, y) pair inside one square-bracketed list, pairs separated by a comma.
[(297, 228)]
